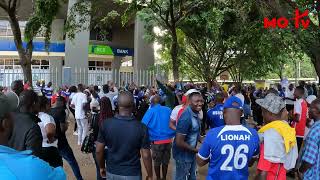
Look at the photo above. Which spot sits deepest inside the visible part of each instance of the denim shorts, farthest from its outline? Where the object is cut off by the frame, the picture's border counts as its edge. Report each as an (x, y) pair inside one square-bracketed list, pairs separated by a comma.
[(119, 177)]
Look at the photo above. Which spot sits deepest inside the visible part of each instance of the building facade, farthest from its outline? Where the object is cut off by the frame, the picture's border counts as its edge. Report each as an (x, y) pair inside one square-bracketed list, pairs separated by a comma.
[(122, 55)]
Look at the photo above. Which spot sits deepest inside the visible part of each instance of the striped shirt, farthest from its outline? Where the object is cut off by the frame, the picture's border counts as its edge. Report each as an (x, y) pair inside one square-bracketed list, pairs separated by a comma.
[(311, 152), (48, 91)]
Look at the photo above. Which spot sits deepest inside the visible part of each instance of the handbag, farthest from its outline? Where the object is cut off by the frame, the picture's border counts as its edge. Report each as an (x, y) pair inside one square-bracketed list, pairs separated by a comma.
[(88, 144)]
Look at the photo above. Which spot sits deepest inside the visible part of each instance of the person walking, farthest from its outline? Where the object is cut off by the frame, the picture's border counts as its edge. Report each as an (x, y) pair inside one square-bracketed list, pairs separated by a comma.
[(187, 135), (58, 112), (79, 102), (157, 120), (124, 149), (47, 125)]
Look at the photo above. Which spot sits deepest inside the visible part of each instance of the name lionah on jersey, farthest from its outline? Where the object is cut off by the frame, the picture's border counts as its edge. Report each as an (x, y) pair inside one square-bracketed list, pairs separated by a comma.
[(235, 137)]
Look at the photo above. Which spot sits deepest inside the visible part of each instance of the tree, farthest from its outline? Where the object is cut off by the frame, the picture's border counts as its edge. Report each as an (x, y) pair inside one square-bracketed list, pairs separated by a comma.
[(44, 12), (168, 15), (308, 39)]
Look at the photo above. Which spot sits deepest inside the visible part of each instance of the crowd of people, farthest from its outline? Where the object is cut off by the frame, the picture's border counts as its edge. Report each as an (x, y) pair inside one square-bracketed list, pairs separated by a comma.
[(229, 127)]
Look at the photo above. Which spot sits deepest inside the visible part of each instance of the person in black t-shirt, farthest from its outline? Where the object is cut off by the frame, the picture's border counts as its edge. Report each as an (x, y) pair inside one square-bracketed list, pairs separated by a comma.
[(125, 137), (58, 112)]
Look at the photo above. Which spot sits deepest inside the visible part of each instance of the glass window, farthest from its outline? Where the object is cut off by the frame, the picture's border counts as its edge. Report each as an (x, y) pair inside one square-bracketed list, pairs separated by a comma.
[(99, 63), (92, 68), (44, 62), (92, 63), (1, 61), (9, 61), (35, 62), (16, 62), (107, 64), (8, 67), (44, 67)]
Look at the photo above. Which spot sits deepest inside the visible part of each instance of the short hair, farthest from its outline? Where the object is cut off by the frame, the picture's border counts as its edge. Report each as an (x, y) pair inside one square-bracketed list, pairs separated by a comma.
[(80, 87), (73, 89), (194, 94), (43, 102), (28, 98), (317, 103), (105, 88), (300, 89)]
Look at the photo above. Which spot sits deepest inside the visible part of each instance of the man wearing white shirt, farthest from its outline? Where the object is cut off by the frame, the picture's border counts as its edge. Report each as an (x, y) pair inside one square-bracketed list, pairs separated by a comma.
[(78, 102), (289, 97)]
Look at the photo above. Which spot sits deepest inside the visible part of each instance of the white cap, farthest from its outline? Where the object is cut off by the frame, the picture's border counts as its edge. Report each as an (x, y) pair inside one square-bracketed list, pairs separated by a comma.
[(190, 91), (311, 98)]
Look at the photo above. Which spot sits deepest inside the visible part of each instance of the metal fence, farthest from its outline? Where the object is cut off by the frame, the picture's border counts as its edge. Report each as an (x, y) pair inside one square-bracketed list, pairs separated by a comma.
[(81, 75)]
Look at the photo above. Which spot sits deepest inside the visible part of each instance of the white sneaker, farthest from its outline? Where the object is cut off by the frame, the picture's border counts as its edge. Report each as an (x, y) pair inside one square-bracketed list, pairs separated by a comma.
[(75, 133)]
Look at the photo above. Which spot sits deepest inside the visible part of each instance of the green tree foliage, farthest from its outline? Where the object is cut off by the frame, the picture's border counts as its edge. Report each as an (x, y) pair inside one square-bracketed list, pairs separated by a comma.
[(44, 12)]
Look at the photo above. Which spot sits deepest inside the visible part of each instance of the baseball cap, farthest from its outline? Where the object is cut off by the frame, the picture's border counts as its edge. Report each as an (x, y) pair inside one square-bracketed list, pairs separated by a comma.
[(233, 102), (273, 103), (311, 98), (190, 91), (8, 103)]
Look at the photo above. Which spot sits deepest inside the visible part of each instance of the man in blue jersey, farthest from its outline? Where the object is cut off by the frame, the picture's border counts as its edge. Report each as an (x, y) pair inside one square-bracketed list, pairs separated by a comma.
[(228, 149), (215, 115)]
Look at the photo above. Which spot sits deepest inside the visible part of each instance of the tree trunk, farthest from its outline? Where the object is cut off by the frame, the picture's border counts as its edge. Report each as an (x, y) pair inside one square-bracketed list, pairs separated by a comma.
[(174, 55), (24, 55), (316, 62), (27, 71)]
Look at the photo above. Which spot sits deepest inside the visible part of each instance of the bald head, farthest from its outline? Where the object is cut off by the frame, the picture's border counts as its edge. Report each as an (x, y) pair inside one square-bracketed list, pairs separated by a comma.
[(232, 116), (125, 100)]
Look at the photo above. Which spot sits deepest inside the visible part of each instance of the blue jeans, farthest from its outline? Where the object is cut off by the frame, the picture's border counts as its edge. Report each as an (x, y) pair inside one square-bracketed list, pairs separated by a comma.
[(67, 154), (96, 162), (119, 177), (185, 170)]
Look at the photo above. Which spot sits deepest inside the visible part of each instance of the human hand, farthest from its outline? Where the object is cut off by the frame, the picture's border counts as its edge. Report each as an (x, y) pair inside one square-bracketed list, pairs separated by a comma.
[(103, 173)]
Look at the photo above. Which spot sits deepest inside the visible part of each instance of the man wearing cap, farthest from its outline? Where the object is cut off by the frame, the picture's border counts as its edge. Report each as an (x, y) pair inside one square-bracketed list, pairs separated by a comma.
[(187, 135), (228, 149), (15, 164), (278, 147)]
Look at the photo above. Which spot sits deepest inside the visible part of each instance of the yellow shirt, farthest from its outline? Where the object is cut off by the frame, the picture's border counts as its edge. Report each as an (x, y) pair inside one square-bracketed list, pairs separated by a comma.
[(283, 128)]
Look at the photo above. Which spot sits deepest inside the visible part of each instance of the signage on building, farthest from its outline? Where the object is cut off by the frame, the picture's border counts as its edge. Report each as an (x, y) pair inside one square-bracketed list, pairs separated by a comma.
[(6, 45), (107, 50)]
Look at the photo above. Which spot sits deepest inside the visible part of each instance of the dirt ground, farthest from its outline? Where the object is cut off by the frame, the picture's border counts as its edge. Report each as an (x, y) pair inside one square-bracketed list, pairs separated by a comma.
[(88, 169)]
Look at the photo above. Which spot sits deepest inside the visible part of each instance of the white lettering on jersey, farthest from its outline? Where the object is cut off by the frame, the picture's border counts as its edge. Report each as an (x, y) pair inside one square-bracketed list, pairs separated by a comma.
[(235, 137)]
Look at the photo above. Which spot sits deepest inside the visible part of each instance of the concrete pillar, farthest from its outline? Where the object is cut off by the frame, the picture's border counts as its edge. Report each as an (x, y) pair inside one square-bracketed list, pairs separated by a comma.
[(56, 63), (143, 51), (77, 52), (116, 63)]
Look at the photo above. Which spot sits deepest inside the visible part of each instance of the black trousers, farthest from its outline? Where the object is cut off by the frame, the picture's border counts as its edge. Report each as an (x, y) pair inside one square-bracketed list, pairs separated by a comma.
[(75, 122), (52, 156)]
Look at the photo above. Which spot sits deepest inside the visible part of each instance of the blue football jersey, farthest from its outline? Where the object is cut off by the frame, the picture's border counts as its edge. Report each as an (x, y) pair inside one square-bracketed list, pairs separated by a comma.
[(215, 116), (229, 149)]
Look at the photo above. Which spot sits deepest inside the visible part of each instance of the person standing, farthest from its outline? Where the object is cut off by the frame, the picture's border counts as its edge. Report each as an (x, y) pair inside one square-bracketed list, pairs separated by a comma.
[(123, 161), (278, 148), (229, 148), (310, 166), (289, 97), (187, 135), (58, 112), (215, 115), (105, 113), (26, 134), (79, 102), (47, 125), (13, 162), (157, 120), (300, 114), (48, 90), (73, 90), (17, 87)]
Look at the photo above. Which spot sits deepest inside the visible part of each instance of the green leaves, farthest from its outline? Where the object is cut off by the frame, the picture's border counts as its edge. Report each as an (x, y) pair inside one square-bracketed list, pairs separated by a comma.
[(40, 21)]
